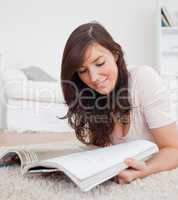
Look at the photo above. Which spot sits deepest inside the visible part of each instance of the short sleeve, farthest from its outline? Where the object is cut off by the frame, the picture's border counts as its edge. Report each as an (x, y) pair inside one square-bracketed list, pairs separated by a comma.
[(154, 98)]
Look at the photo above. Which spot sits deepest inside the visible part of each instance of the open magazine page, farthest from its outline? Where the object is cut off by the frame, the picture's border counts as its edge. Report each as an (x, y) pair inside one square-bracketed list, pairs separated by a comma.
[(19, 156), (90, 168), (26, 154), (86, 164), (57, 149), (12, 145), (12, 157)]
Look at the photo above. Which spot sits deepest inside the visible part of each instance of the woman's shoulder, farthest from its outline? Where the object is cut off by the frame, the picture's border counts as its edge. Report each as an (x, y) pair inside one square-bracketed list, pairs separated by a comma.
[(145, 84), (143, 73), (140, 69)]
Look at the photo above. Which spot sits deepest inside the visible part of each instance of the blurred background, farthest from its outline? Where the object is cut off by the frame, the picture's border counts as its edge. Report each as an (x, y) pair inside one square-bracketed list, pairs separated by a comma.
[(34, 32)]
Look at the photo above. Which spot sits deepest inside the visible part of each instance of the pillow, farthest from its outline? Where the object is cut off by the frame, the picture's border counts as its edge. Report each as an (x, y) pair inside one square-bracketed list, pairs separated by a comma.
[(37, 74)]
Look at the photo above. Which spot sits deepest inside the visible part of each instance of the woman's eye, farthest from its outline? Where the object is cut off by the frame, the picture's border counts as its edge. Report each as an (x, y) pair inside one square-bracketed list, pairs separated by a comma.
[(100, 64), (82, 71)]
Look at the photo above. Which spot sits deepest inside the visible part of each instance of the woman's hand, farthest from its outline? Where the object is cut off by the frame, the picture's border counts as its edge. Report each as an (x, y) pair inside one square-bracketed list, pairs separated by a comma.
[(135, 170)]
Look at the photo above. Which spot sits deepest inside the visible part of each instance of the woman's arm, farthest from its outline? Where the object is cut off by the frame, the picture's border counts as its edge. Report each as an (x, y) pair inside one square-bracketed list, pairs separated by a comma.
[(167, 158)]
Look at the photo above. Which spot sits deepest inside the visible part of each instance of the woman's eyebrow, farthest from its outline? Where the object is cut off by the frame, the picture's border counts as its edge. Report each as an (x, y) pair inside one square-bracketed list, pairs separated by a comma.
[(96, 59), (93, 61)]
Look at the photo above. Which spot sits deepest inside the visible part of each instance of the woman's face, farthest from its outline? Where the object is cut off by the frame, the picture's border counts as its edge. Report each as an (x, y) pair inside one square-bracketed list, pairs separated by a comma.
[(99, 70)]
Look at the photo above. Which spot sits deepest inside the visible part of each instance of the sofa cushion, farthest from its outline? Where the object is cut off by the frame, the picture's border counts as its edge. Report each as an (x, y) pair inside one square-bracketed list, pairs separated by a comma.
[(37, 74), (15, 85), (34, 91)]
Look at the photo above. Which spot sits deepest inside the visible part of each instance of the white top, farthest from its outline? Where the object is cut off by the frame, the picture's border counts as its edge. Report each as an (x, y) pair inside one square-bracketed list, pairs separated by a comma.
[(151, 106)]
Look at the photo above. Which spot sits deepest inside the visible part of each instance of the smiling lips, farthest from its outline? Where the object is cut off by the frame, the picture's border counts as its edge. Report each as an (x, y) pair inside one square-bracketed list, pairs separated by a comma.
[(102, 83)]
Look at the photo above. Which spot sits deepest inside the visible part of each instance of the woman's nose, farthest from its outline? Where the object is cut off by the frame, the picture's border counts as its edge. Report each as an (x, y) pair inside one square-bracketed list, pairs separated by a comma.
[(94, 76)]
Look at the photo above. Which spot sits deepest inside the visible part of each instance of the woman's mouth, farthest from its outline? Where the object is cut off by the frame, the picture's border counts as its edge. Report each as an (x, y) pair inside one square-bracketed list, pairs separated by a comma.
[(102, 83)]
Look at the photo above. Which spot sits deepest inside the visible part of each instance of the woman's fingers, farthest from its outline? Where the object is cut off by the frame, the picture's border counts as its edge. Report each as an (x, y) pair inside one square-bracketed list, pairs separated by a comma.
[(122, 182), (118, 180), (128, 175), (134, 171), (138, 165)]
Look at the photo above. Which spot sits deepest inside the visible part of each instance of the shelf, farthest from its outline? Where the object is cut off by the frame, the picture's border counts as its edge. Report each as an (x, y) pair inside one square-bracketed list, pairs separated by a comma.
[(168, 40), (169, 53), (172, 77), (169, 30)]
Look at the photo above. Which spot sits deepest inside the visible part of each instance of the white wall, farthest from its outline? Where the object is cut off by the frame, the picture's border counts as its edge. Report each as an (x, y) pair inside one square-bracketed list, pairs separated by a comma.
[(33, 32)]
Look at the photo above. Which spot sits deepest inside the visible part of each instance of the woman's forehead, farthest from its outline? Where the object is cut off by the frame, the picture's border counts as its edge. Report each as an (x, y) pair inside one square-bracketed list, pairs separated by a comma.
[(94, 52)]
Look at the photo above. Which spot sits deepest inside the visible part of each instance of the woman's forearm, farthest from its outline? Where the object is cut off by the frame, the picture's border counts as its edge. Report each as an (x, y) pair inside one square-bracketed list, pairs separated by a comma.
[(165, 159)]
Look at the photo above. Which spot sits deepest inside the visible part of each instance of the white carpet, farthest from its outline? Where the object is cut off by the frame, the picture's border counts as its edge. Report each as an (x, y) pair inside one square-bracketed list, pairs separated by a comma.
[(161, 186), (54, 187)]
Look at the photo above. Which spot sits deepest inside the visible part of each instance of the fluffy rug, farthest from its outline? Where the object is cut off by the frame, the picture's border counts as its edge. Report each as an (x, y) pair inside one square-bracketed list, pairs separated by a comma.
[(54, 187), (161, 186)]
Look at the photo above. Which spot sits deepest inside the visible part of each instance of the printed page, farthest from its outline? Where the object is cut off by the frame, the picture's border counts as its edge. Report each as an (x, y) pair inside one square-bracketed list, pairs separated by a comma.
[(15, 156), (85, 164), (58, 149), (10, 159), (38, 152)]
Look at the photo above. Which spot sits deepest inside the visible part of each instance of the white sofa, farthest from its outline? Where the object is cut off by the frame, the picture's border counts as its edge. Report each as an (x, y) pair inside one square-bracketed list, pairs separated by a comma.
[(32, 105), (35, 105)]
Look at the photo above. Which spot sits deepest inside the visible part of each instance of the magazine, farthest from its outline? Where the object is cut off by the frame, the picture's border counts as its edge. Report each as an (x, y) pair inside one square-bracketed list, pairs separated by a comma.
[(86, 165)]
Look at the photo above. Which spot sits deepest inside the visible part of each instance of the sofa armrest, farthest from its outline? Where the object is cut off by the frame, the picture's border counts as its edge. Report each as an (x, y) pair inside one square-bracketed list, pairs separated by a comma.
[(34, 91), (15, 85)]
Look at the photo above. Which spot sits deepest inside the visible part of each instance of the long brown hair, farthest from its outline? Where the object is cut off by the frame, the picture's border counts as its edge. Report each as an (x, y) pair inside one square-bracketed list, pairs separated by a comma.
[(92, 125)]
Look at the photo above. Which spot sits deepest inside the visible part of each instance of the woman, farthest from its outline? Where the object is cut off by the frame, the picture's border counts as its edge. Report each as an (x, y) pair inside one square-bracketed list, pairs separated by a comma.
[(110, 102)]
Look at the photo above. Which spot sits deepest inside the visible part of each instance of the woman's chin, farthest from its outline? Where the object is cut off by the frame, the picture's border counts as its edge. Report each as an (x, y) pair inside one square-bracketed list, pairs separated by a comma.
[(103, 91)]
